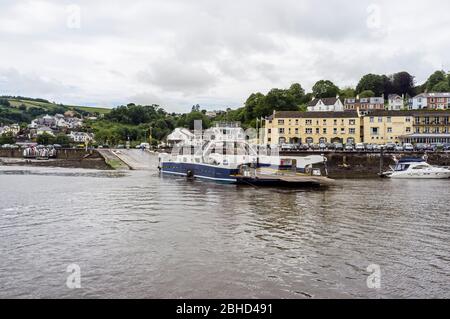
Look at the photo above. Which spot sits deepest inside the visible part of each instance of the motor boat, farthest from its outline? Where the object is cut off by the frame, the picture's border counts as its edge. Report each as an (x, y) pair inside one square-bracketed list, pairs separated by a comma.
[(416, 168)]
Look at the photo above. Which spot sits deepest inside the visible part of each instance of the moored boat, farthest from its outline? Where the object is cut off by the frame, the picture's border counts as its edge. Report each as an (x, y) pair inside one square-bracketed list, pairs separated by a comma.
[(416, 168)]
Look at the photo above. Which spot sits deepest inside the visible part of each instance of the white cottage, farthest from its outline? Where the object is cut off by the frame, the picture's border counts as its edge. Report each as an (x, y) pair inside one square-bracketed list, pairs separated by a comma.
[(333, 104)]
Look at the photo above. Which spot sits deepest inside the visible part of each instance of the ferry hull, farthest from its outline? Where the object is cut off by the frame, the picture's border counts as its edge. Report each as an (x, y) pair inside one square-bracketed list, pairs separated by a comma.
[(206, 172)]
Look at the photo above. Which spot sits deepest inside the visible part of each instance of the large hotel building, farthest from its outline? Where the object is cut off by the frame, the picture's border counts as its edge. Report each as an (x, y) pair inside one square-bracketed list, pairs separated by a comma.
[(352, 126)]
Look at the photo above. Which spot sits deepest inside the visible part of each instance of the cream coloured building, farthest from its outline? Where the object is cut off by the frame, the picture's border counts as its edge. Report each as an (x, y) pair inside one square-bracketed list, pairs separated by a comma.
[(295, 127), (381, 126)]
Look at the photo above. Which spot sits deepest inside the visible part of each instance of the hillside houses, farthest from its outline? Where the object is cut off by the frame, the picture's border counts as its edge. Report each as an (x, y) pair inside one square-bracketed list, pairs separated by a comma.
[(395, 102), (431, 101), (326, 104), (364, 104), (56, 122), (81, 137), (13, 129)]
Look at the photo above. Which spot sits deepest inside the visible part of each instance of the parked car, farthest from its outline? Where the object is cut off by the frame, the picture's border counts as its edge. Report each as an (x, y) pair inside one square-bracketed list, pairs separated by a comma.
[(338, 146), (398, 148), (314, 146), (446, 147), (284, 147), (303, 147), (331, 146), (349, 147), (322, 146), (438, 146), (359, 147), (420, 147), (430, 147), (408, 147), (370, 147), (120, 146), (390, 146), (377, 147)]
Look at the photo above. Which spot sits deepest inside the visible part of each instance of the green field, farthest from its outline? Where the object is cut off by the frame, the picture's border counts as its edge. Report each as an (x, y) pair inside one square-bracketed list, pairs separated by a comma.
[(52, 106)]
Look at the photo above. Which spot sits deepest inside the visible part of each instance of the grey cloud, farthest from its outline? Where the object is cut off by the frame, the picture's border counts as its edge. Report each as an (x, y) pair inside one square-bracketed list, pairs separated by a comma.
[(14, 82), (174, 76), (211, 52)]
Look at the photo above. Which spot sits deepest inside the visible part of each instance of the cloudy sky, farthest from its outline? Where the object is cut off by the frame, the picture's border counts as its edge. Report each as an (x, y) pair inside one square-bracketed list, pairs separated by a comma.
[(215, 53)]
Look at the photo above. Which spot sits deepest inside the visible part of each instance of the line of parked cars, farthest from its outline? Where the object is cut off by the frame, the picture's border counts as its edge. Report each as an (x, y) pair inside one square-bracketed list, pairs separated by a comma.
[(366, 147)]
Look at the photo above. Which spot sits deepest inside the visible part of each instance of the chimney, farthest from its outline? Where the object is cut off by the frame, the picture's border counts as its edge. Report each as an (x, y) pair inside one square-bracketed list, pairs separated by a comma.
[(357, 96)]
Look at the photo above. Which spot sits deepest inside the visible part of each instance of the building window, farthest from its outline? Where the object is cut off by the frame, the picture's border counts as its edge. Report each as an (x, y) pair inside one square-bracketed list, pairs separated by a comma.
[(308, 130), (324, 130), (296, 130), (351, 122), (389, 129), (389, 119), (408, 120), (408, 130), (269, 131), (308, 122), (380, 119), (317, 130), (374, 131), (372, 119), (335, 130), (335, 122), (427, 120), (342, 130), (280, 122), (417, 120), (309, 140), (281, 130), (352, 131)]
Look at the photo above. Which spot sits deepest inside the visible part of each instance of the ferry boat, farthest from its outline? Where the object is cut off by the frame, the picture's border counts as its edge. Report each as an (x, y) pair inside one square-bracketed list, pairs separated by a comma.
[(416, 168), (223, 154)]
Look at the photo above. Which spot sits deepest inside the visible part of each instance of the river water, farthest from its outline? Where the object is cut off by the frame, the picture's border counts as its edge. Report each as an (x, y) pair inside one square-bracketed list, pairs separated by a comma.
[(136, 234)]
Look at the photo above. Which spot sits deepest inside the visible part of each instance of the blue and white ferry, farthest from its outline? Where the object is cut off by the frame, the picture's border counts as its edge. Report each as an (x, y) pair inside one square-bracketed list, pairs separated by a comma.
[(224, 154)]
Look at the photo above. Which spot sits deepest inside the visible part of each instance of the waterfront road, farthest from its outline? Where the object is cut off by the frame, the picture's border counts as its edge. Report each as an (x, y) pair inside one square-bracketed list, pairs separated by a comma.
[(135, 159)]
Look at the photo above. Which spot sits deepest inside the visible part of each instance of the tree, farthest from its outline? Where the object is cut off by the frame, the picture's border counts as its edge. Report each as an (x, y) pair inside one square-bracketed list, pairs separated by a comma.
[(45, 139), (5, 102), (347, 92), (63, 140), (252, 103), (373, 82), (442, 86), (403, 83), (434, 79), (366, 93), (325, 88), (195, 115), (297, 92), (7, 138)]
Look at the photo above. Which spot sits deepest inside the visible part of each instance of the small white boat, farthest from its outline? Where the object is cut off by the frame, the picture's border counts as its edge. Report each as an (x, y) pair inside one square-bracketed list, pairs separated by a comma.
[(416, 168)]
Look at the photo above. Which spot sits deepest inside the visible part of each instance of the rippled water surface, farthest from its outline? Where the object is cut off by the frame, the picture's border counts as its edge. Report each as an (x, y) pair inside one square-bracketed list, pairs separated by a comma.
[(139, 235)]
